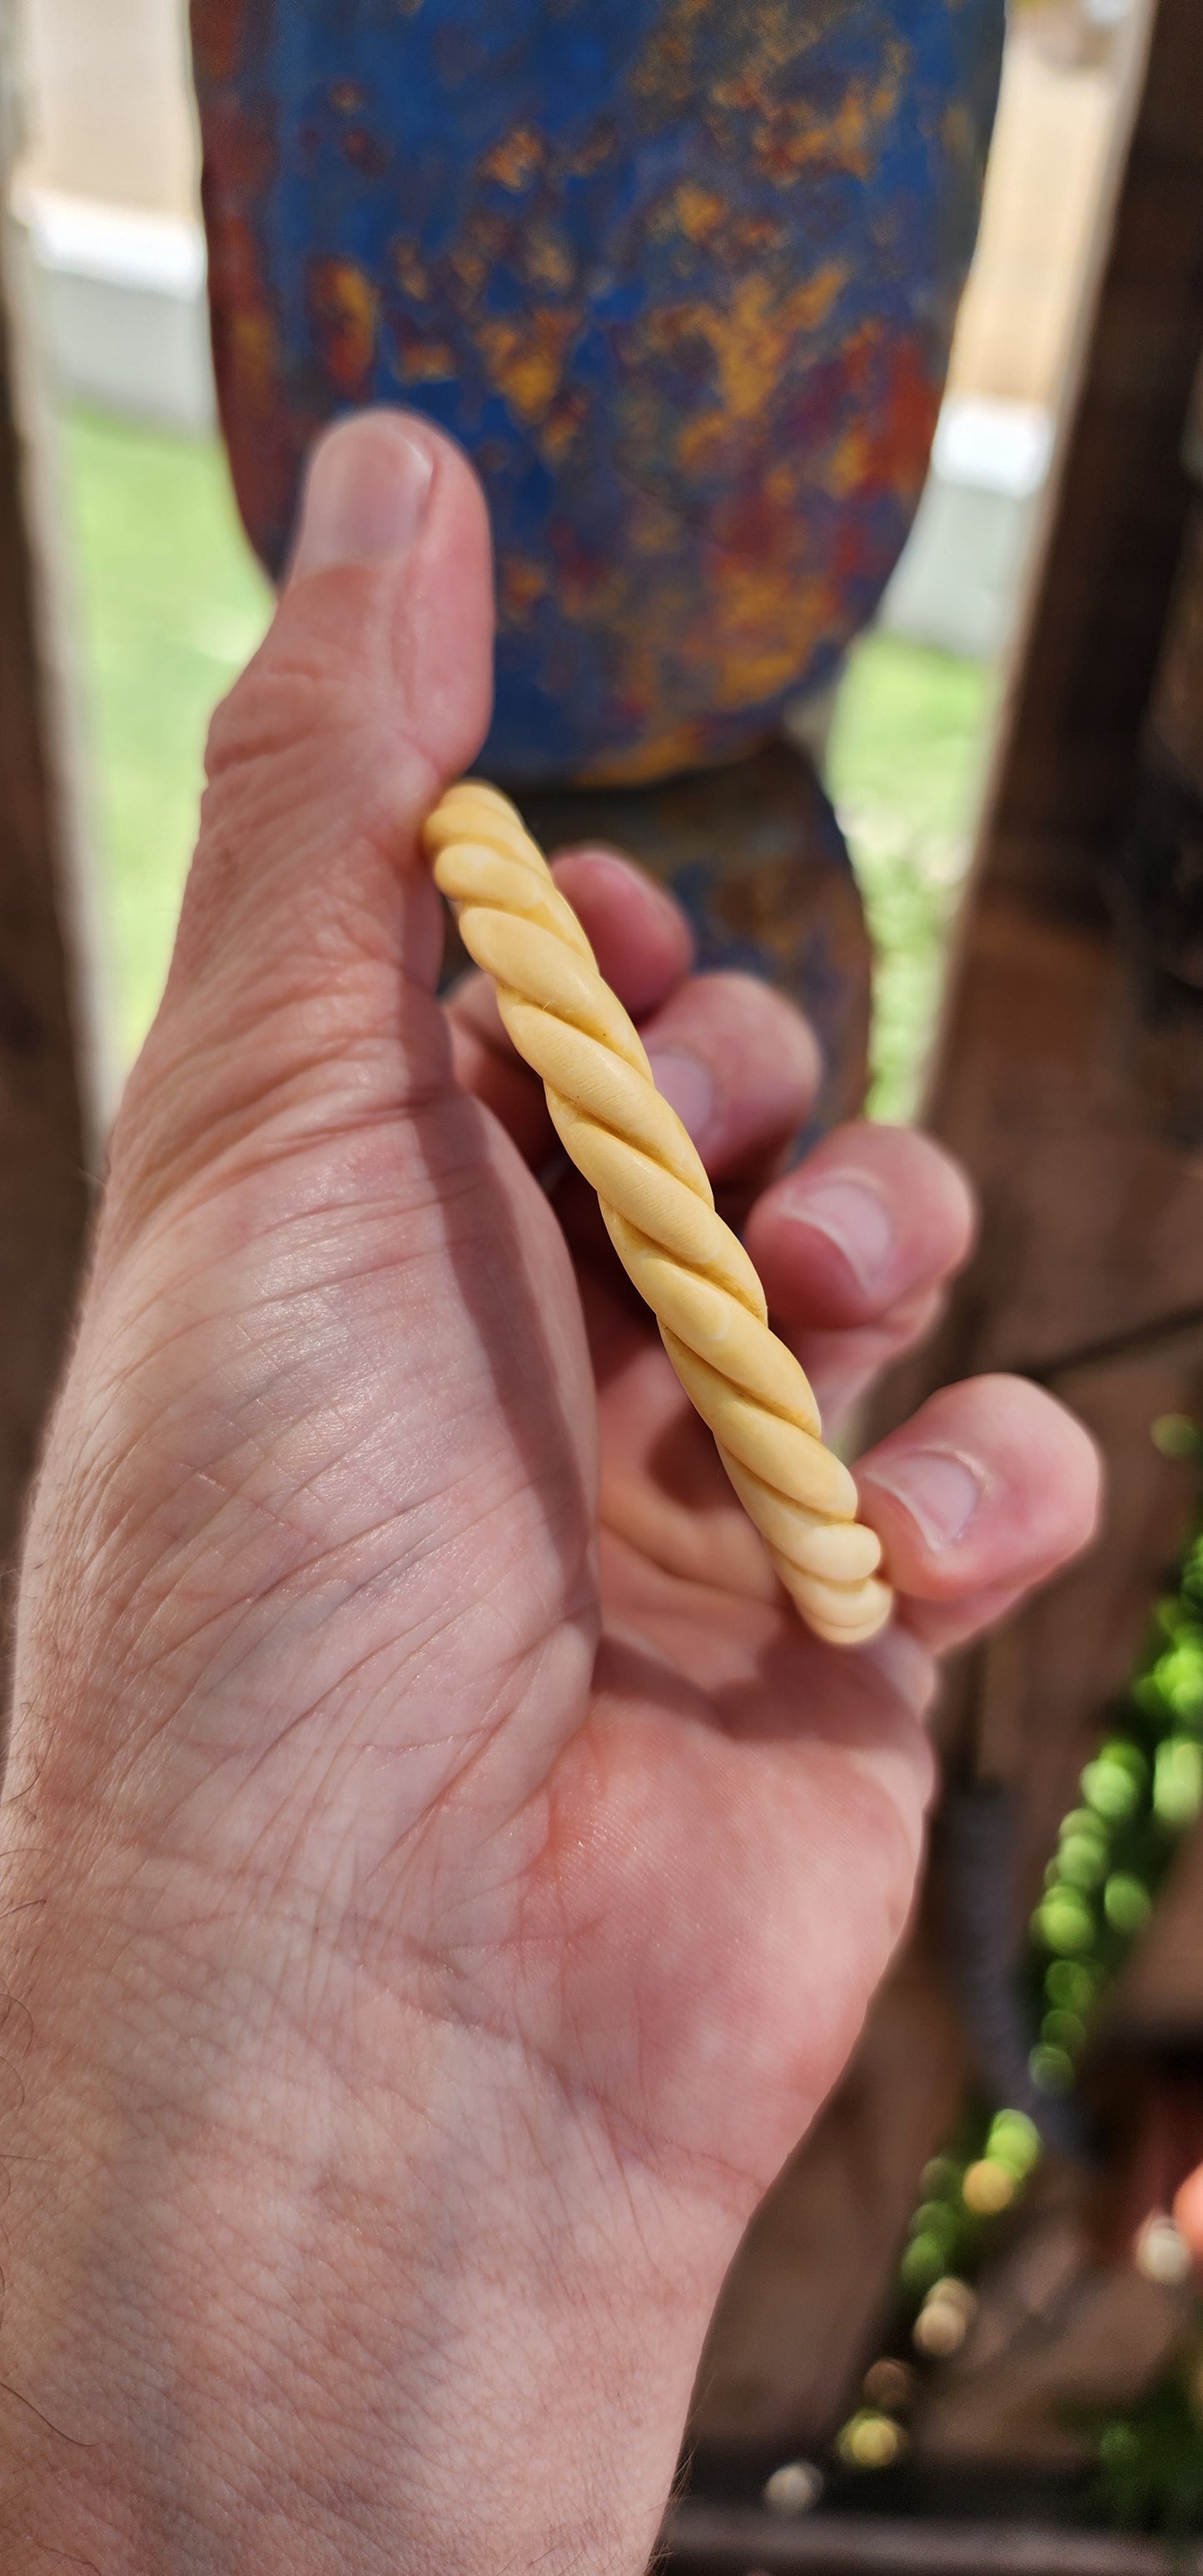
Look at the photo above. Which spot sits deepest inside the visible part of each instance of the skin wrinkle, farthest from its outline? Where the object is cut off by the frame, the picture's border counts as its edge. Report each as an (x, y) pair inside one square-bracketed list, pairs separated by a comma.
[(391, 1575), (308, 1717), (241, 1129), (633, 2156), (311, 1714), (506, 1710), (269, 1382), (383, 1580), (318, 985), (348, 960), (242, 746), (276, 1512), (433, 1198), (302, 1487), (376, 992), (499, 2036), (314, 1710)]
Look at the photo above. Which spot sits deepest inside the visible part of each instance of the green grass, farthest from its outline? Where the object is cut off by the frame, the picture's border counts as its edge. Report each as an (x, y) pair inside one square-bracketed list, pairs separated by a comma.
[(173, 605), (911, 736)]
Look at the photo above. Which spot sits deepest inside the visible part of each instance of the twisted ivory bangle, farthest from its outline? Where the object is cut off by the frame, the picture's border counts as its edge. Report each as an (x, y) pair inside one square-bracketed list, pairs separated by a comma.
[(659, 1210)]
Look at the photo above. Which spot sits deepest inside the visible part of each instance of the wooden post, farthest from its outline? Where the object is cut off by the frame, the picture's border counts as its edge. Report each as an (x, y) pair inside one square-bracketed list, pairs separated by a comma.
[(707, 2540), (1051, 1083), (1091, 1259), (44, 1130)]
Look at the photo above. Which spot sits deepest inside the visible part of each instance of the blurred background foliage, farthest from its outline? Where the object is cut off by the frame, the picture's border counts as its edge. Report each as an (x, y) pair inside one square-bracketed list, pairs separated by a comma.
[(1138, 1796)]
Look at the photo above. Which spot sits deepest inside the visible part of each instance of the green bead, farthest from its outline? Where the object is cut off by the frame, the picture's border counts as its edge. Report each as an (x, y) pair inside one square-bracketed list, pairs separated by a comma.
[(1063, 2030), (1112, 1783), (1014, 2141), (922, 2263), (1082, 1860), (1071, 1985), (1178, 1782), (1175, 1435), (1051, 2069), (1127, 1903), (1064, 1921)]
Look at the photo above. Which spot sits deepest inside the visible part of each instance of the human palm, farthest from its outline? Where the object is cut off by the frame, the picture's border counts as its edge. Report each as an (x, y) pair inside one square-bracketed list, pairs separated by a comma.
[(447, 1900)]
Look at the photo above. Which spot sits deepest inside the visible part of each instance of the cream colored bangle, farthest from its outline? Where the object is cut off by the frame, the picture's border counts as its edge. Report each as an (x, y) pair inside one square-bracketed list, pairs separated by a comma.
[(659, 1210)]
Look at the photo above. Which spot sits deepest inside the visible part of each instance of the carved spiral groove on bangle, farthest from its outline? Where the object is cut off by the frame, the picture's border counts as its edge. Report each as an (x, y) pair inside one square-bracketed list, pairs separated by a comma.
[(659, 1210)]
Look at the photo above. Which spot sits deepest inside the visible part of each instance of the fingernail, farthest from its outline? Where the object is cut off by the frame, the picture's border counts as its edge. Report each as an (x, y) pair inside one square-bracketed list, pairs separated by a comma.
[(365, 497), (939, 1490), (852, 1216), (687, 1086)]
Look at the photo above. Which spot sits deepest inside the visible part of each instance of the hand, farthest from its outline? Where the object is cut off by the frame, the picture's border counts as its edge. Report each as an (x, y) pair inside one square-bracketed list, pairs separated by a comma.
[(432, 1916)]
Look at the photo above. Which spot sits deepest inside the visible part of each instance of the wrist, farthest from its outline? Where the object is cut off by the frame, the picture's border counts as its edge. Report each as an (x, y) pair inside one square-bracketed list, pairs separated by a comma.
[(271, 2307)]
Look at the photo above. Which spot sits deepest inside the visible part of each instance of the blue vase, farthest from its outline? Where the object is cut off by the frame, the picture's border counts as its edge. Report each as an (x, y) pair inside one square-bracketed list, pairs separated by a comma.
[(680, 275)]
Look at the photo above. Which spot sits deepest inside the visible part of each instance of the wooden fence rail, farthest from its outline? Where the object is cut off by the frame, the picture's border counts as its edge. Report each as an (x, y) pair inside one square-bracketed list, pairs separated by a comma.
[(708, 2540)]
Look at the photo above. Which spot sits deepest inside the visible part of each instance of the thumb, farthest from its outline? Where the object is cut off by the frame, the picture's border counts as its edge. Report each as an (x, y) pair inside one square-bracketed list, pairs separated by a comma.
[(310, 937)]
